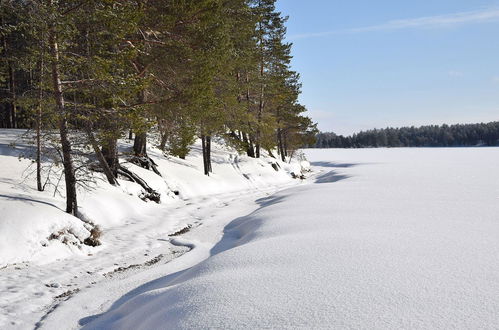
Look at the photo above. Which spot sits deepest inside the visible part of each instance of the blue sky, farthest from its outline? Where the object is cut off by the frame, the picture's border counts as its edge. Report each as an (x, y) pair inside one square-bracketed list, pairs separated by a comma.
[(379, 63)]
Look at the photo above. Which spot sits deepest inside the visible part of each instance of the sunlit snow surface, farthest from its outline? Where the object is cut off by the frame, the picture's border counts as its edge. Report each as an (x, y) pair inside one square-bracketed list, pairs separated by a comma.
[(383, 239), (52, 284)]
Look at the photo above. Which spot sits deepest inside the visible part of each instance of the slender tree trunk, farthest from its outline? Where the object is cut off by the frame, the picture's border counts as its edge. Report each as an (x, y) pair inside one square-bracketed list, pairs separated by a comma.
[(130, 134), (261, 105), (7, 85), (38, 124), (206, 147), (6, 118), (13, 101), (163, 132), (208, 153), (69, 172), (140, 142), (250, 151), (111, 177), (284, 145), (280, 146), (203, 148), (39, 185)]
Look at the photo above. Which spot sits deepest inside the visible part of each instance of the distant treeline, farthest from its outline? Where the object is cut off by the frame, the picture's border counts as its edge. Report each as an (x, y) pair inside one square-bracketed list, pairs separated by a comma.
[(425, 136)]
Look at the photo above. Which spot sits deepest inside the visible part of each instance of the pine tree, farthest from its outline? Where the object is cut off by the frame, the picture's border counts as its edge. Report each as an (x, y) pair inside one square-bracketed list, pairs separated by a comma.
[(97, 70)]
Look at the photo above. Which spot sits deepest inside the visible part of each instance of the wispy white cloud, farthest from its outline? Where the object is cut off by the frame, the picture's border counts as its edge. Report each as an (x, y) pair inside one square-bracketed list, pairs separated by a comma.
[(495, 80), (427, 22)]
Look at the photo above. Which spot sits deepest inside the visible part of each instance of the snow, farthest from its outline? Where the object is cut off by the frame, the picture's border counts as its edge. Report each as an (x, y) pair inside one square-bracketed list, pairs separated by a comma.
[(375, 238), (382, 238), (43, 261), (30, 217)]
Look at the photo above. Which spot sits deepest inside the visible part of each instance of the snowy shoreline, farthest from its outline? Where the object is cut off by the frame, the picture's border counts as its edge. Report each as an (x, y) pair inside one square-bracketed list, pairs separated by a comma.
[(375, 238), (134, 232)]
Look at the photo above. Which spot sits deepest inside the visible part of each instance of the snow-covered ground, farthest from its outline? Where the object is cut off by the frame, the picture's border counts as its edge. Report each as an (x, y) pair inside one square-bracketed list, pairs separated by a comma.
[(376, 238), (382, 239), (42, 260)]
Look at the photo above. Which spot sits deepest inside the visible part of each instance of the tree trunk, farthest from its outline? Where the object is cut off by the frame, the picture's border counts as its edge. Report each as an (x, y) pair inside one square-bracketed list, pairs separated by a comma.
[(150, 194), (206, 146), (38, 124), (13, 101), (110, 152), (140, 144), (69, 172), (250, 151), (261, 103), (259, 119), (11, 115), (270, 153), (164, 139), (111, 177), (280, 146), (7, 87), (203, 148), (130, 134), (284, 145), (208, 153), (39, 185), (251, 147)]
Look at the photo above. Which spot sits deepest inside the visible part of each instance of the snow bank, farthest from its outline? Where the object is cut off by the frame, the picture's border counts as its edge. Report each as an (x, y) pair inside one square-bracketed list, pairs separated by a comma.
[(34, 227), (384, 239), (28, 218)]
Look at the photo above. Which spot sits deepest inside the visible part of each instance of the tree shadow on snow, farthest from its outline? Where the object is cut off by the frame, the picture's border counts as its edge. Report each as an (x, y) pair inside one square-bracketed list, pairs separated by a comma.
[(271, 200), (243, 229), (162, 282), (330, 177), (236, 233), (29, 200), (335, 165)]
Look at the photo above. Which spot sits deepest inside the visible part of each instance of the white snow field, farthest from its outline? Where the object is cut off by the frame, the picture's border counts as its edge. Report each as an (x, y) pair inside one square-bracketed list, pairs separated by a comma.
[(39, 272), (381, 239)]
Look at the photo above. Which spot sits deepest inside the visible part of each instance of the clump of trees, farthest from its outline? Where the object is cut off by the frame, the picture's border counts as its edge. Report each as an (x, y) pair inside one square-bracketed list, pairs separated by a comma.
[(98, 70), (466, 135)]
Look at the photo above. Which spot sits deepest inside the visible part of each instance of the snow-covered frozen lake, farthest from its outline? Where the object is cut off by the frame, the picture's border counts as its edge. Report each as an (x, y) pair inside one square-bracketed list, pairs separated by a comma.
[(381, 239)]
